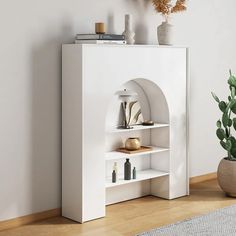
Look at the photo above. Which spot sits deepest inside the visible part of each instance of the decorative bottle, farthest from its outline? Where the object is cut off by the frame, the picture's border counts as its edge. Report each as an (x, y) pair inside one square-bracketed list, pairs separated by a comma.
[(114, 172), (129, 33), (134, 173), (127, 170), (113, 176)]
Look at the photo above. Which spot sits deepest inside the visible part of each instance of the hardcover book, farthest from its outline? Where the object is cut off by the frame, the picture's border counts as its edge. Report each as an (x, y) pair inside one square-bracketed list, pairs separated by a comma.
[(90, 41), (100, 36)]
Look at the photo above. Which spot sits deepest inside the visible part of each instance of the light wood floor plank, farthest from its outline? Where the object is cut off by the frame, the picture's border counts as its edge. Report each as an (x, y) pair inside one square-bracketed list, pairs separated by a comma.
[(131, 217)]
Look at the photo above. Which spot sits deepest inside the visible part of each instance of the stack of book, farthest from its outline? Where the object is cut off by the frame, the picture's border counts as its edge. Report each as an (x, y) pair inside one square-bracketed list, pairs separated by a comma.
[(100, 38)]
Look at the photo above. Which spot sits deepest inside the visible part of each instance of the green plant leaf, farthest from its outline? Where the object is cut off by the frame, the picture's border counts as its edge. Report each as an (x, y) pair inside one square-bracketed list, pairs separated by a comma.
[(233, 148), (229, 98), (218, 124), (230, 122), (233, 92), (215, 97), (225, 119), (234, 123), (232, 103), (222, 105), (233, 107), (232, 80), (228, 145), (220, 133), (223, 144), (233, 141), (233, 152)]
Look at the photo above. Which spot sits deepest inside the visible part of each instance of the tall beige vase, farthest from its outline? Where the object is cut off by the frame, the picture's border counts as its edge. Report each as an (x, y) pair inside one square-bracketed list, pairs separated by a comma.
[(165, 33), (129, 33), (226, 175)]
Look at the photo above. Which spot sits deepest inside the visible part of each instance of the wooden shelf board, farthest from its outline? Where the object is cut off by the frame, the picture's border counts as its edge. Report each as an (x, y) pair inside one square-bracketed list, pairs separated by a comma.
[(114, 155), (137, 127), (141, 175)]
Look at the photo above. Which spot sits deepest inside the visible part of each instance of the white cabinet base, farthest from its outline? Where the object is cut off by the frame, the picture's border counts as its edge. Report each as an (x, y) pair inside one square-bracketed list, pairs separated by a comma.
[(91, 75)]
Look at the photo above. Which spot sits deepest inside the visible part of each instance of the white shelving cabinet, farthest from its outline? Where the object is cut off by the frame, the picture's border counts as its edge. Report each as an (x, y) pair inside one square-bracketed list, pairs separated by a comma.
[(91, 75)]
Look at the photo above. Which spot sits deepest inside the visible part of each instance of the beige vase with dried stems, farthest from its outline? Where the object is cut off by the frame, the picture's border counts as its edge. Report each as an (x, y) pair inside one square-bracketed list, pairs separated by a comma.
[(165, 33), (167, 8)]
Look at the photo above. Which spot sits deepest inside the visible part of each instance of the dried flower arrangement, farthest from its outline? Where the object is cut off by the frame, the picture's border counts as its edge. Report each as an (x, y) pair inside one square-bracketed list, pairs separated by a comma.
[(165, 7)]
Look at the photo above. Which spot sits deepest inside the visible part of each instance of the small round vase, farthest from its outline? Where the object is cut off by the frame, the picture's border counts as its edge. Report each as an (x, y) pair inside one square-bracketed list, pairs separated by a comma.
[(132, 144), (165, 33), (226, 176)]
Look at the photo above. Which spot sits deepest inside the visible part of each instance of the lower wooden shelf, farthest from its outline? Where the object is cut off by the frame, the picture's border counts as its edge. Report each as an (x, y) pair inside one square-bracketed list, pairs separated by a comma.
[(141, 175), (114, 155)]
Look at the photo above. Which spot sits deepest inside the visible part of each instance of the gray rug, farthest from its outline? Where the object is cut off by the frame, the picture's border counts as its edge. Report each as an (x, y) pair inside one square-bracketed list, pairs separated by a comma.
[(216, 223)]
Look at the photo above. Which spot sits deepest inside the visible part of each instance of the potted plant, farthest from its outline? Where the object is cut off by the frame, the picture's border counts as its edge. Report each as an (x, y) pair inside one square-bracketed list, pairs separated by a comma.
[(166, 8), (226, 127)]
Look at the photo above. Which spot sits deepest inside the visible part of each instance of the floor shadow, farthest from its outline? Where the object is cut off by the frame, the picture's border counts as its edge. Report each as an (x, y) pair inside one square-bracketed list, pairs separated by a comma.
[(56, 221)]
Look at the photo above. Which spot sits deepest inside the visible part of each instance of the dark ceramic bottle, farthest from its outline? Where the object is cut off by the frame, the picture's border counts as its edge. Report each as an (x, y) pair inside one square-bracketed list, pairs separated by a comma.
[(127, 170), (113, 176)]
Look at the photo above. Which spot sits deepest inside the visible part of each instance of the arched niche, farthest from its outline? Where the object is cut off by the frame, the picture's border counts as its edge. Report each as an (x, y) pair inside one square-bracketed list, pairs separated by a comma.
[(151, 98), (154, 107)]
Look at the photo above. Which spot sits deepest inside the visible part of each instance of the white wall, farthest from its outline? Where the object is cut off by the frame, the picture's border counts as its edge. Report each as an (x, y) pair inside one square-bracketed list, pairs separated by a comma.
[(30, 90)]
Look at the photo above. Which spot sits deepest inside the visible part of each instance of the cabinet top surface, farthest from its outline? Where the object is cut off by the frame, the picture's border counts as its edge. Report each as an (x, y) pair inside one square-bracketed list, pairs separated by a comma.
[(124, 46)]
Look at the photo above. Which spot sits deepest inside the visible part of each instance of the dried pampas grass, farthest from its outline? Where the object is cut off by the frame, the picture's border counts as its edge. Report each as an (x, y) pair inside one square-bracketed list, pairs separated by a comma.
[(180, 5), (165, 7)]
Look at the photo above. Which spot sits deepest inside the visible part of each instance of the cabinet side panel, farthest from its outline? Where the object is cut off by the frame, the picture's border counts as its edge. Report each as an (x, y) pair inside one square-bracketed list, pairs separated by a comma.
[(178, 131), (72, 133), (187, 112)]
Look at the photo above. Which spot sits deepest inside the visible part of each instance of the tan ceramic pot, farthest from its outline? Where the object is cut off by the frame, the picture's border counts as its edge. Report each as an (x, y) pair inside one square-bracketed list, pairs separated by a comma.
[(132, 144), (165, 33), (226, 175)]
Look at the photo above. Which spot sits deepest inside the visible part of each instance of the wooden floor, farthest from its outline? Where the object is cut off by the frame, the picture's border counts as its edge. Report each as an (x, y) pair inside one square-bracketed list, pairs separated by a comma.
[(131, 217)]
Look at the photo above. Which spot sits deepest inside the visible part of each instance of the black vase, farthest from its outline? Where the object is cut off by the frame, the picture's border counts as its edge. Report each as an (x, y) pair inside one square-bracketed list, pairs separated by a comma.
[(127, 170)]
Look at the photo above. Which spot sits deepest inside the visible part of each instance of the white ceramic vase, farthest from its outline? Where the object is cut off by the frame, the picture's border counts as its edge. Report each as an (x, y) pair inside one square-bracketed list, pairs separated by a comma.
[(165, 33), (129, 33)]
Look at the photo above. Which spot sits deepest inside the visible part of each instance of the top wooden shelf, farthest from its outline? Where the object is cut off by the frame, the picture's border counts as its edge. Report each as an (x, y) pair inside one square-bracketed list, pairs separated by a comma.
[(137, 127)]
